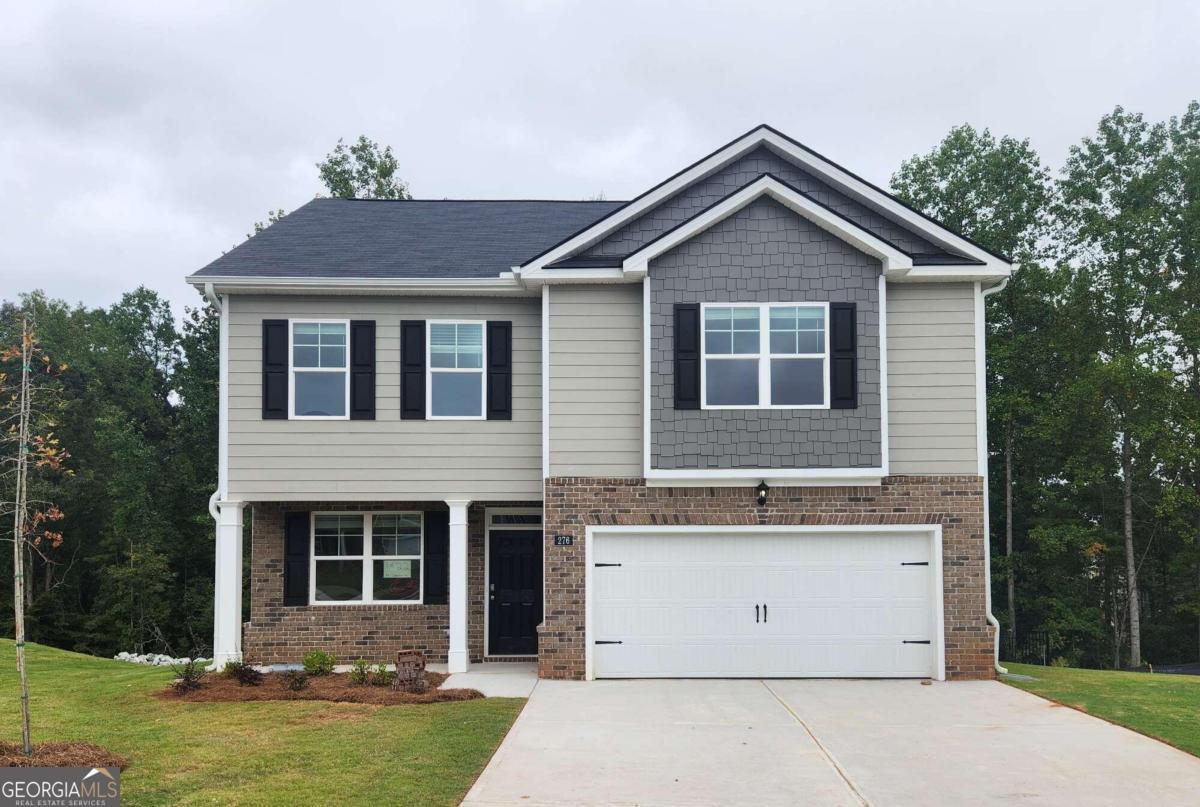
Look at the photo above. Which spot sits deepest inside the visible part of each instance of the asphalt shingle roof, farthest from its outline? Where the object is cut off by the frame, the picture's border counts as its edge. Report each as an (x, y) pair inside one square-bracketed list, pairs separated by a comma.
[(414, 238)]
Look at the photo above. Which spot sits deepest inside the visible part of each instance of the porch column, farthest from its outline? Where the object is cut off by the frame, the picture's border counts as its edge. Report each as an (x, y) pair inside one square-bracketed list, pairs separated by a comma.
[(458, 659), (227, 608)]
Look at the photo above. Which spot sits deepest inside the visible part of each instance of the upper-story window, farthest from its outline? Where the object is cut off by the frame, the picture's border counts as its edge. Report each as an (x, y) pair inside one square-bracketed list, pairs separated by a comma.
[(765, 356), (455, 366), (319, 369)]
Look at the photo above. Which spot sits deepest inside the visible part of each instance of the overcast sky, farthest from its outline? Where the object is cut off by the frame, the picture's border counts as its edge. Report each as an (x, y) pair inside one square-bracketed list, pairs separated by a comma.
[(139, 140)]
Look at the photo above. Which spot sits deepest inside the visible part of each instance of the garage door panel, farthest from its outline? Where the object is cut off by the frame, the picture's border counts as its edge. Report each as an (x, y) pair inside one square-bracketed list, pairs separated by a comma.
[(838, 604)]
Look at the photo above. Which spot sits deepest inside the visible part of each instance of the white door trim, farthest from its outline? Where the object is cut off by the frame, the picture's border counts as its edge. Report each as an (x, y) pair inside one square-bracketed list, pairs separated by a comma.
[(935, 566), (488, 512)]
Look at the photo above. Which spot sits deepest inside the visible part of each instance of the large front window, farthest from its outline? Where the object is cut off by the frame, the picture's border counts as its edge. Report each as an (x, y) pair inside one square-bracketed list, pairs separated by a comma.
[(765, 356), (373, 557), (456, 378), (320, 387)]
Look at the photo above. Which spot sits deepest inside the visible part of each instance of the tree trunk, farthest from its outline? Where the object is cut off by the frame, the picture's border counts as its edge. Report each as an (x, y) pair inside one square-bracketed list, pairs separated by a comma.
[(1135, 625), (1008, 536), (19, 515)]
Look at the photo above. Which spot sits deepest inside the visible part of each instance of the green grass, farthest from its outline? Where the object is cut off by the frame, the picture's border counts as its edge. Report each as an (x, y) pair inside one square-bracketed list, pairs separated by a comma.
[(1161, 706), (278, 752)]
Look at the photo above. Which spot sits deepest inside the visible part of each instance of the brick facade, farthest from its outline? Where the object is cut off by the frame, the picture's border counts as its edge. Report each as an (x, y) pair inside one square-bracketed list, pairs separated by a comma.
[(279, 634), (954, 502)]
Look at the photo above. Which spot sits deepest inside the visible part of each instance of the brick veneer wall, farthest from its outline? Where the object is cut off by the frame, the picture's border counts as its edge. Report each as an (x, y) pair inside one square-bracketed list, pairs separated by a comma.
[(954, 502), (279, 634)]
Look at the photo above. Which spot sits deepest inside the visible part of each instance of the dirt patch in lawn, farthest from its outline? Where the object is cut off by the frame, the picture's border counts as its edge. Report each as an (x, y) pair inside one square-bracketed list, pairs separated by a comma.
[(60, 755), (336, 688)]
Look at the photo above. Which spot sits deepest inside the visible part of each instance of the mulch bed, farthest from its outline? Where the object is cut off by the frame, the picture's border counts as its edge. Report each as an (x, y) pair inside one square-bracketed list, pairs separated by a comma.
[(60, 755), (337, 688)]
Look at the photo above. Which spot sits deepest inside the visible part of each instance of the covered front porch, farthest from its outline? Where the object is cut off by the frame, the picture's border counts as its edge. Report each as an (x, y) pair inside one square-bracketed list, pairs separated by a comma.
[(460, 581)]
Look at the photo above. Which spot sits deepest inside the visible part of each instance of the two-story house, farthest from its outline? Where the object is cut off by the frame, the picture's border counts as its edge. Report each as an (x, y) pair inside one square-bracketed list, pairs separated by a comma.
[(734, 427)]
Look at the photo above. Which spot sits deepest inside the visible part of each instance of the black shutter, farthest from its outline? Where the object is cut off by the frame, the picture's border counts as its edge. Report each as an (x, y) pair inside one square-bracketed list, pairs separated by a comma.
[(437, 557), (362, 369), (687, 356), (499, 371), (274, 369), (843, 356), (296, 542), (412, 369)]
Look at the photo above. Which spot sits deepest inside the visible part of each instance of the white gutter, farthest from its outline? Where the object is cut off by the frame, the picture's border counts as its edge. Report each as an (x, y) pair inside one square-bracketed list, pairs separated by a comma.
[(505, 283), (982, 446), (220, 494)]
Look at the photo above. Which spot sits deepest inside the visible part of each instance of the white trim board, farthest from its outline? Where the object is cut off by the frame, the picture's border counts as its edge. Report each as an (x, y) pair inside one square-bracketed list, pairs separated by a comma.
[(935, 567), (775, 477), (810, 161)]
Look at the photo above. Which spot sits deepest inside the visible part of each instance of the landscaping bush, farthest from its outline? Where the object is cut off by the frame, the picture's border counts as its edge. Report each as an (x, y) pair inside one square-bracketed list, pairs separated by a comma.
[(294, 680), (243, 673), (382, 676), (318, 662), (360, 672), (189, 675)]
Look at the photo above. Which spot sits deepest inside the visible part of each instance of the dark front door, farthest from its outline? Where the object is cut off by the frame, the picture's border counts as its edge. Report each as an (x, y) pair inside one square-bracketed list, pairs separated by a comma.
[(514, 592)]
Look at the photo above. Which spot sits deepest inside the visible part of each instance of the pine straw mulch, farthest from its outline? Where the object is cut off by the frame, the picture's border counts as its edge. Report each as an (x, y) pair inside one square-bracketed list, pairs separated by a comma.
[(60, 755), (215, 688)]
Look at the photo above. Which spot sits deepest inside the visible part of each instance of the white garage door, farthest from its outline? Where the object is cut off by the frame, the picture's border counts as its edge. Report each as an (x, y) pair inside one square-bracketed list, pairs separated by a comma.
[(755, 603)]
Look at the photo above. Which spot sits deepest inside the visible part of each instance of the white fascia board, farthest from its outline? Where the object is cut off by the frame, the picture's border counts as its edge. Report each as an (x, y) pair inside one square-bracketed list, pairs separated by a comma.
[(829, 172), (561, 276), (949, 273), (894, 261), (775, 477), (502, 285)]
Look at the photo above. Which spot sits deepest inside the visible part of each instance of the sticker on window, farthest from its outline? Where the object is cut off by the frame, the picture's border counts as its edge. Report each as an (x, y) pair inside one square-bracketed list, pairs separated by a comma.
[(393, 569)]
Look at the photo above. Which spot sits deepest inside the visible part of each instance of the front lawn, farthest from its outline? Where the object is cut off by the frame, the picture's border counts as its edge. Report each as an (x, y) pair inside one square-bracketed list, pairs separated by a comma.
[(1162, 706), (277, 752)]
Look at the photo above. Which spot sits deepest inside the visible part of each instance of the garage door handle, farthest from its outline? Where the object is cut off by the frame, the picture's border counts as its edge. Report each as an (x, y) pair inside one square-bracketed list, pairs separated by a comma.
[(756, 613), (916, 641), (764, 612)]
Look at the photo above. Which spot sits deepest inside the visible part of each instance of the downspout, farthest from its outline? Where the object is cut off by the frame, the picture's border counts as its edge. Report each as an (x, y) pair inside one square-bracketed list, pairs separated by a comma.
[(222, 402), (981, 413)]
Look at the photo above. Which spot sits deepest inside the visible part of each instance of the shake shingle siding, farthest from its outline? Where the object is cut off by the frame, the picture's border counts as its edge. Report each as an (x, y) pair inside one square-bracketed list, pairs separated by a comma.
[(764, 253)]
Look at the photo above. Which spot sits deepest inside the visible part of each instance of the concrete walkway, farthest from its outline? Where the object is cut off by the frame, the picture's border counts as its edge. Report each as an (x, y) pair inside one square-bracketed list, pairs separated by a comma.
[(821, 743), (500, 679)]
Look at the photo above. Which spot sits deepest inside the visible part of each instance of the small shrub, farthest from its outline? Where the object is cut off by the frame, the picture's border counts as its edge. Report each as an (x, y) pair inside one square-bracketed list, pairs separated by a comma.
[(1060, 661), (360, 672), (381, 676), (319, 663), (189, 675), (243, 673), (294, 680)]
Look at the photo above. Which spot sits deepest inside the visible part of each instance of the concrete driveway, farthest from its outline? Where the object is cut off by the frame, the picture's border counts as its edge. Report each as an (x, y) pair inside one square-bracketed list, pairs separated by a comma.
[(821, 743)]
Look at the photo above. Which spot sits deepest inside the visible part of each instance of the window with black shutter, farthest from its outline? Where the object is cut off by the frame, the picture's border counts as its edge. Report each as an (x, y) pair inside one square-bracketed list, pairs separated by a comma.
[(275, 369), (362, 370)]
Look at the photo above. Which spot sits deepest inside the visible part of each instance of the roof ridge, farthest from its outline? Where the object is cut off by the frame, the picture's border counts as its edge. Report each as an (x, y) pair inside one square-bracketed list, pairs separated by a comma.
[(503, 201)]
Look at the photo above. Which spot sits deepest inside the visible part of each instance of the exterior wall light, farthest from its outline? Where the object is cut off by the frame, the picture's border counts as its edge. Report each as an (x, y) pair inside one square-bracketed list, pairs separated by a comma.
[(762, 489)]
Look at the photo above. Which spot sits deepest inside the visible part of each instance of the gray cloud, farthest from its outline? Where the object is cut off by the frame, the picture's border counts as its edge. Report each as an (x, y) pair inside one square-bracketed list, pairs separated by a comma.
[(138, 141)]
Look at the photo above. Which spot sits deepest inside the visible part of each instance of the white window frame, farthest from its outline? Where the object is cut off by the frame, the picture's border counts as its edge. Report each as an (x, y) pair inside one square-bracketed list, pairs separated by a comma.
[(368, 558), (430, 369), (763, 356), (292, 369)]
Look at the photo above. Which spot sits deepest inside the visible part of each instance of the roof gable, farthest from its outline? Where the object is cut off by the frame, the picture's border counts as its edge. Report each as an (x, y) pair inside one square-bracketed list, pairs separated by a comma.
[(895, 262), (668, 203)]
